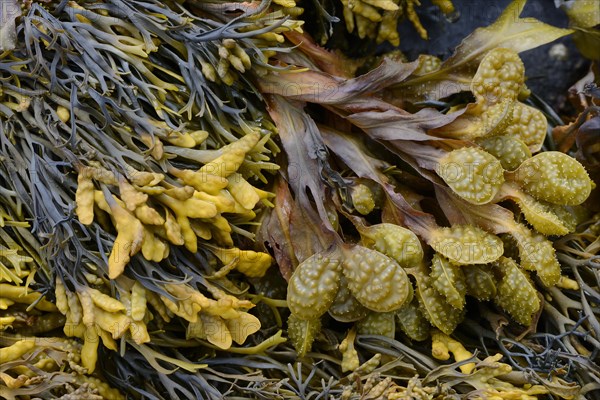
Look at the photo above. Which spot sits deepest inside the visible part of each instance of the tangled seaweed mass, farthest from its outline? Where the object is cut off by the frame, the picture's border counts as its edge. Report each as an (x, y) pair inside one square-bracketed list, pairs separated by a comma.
[(197, 200)]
